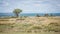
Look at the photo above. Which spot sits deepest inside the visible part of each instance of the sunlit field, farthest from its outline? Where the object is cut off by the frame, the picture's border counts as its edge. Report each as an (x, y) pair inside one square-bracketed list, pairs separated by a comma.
[(30, 33), (30, 25)]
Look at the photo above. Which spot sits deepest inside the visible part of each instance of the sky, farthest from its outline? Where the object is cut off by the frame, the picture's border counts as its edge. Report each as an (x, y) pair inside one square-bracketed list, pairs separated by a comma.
[(30, 6)]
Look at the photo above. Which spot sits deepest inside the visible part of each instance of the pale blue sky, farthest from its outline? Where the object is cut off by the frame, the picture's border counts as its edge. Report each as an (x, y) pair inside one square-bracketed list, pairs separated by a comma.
[(30, 6)]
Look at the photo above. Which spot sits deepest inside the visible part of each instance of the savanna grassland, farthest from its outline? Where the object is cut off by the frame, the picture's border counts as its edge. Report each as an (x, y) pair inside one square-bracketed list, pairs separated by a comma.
[(30, 25)]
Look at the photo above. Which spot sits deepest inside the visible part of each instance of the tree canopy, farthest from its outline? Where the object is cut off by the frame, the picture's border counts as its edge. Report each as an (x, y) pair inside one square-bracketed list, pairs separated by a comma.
[(17, 11)]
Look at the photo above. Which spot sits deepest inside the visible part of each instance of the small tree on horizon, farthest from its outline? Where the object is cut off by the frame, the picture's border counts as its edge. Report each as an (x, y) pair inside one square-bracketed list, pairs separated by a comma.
[(51, 14), (17, 11), (46, 15), (37, 15)]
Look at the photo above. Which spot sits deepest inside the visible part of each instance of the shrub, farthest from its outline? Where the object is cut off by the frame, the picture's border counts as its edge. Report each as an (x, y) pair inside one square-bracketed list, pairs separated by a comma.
[(37, 15), (46, 15), (4, 27), (54, 24), (53, 27), (36, 27)]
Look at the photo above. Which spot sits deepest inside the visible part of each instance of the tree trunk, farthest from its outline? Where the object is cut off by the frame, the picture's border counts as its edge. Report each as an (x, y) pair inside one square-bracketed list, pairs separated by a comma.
[(17, 15)]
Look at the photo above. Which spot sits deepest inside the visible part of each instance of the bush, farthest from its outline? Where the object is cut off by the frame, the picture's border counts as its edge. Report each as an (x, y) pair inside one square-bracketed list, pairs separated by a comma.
[(35, 27), (4, 27), (54, 24), (46, 15), (53, 27), (37, 15), (26, 25)]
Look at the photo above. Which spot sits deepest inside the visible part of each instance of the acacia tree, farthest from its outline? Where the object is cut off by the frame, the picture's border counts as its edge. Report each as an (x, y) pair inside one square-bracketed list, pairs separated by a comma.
[(46, 15), (37, 15), (17, 11)]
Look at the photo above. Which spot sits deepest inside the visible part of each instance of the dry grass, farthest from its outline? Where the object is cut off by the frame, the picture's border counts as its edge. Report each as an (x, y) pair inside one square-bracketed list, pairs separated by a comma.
[(29, 24)]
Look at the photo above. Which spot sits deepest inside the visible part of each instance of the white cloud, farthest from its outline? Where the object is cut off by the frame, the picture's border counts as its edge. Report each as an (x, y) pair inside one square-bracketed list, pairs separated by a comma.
[(37, 5), (58, 5), (5, 3)]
